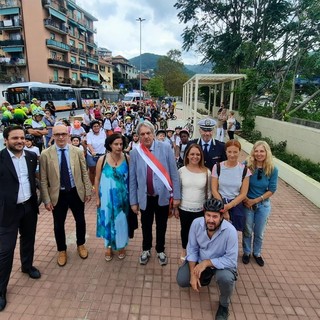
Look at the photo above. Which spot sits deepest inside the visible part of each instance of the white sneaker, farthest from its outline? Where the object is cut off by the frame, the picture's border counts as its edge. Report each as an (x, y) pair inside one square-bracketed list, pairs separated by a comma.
[(163, 260), (144, 258)]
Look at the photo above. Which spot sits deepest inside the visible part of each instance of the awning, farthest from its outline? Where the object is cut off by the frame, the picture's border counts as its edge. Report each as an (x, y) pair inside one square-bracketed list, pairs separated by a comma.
[(93, 77), (12, 49), (92, 61), (7, 11), (58, 15), (82, 28)]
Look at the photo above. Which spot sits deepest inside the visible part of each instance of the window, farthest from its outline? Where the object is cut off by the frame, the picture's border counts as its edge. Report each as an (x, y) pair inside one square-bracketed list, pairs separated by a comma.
[(109, 69), (74, 76), (55, 75), (102, 68), (73, 59), (53, 55), (82, 62), (72, 43), (52, 36), (80, 46)]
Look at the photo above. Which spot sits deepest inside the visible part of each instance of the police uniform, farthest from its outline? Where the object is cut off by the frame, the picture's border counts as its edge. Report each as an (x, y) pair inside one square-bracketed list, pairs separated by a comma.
[(215, 150)]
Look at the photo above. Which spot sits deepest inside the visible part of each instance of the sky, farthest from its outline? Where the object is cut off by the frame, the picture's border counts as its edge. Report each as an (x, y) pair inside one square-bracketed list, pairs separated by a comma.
[(118, 30)]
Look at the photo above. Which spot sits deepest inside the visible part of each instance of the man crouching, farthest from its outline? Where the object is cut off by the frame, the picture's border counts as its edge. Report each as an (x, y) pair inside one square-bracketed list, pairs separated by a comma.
[(212, 250)]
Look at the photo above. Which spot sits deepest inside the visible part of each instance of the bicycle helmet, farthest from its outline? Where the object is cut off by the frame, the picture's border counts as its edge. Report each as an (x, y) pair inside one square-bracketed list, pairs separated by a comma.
[(37, 112), (29, 137), (213, 205)]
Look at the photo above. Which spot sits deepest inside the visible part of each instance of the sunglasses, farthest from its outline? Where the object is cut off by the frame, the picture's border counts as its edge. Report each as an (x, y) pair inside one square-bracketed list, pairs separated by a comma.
[(259, 176)]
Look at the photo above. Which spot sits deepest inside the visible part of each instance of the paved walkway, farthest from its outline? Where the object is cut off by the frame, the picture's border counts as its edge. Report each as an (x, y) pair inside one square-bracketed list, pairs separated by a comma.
[(287, 287)]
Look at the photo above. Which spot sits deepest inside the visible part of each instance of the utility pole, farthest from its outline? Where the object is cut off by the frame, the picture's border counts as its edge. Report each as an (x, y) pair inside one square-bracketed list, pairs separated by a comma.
[(140, 21)]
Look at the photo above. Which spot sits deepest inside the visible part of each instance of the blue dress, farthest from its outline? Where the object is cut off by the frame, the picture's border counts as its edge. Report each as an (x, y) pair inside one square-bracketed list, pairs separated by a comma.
[(112, 215)]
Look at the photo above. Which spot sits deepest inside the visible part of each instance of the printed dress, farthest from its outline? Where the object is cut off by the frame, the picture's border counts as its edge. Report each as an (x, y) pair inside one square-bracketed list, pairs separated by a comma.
[(112, 222)]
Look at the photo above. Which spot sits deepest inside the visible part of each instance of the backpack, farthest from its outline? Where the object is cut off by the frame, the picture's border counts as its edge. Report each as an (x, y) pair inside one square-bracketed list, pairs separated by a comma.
[(238, 125), (244, 173)]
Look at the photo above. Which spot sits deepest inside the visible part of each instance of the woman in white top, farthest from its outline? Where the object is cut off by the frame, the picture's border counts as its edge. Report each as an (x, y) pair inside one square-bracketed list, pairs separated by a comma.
[(195, 189), (95, 147), (230, 183), (231, 125)]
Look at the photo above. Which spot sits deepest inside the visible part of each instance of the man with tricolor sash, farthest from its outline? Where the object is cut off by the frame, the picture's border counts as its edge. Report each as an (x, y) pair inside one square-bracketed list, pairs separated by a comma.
[(153, 186)]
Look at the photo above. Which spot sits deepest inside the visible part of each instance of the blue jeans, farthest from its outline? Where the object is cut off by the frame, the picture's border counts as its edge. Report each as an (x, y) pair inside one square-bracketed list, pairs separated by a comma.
[(256, 222)]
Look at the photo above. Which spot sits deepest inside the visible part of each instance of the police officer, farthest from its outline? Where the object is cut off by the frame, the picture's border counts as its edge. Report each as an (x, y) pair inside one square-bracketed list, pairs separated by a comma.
[(213, 150)]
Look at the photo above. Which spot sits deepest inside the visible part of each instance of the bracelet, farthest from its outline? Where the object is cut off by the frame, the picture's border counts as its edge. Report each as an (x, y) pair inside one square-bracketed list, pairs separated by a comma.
[(262, 198)]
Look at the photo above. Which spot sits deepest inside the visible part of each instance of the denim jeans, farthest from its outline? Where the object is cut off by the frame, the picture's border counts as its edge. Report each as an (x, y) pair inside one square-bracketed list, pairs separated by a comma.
[(256, 222)]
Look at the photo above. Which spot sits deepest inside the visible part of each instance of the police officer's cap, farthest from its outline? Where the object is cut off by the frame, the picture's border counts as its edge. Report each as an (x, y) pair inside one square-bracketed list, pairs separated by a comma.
[(207, 124)]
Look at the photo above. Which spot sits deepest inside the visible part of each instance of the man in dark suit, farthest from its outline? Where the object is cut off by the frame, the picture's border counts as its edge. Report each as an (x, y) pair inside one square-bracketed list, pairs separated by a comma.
[(18, 207), (213, 150)]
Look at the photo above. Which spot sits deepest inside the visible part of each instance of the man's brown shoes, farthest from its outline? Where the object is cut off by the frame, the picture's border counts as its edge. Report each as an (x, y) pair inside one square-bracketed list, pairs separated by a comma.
[(83, 252), (62, 258)]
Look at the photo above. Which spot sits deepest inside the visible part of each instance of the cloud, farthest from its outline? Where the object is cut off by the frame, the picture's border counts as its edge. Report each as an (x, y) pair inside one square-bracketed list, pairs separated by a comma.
[(119, 31)]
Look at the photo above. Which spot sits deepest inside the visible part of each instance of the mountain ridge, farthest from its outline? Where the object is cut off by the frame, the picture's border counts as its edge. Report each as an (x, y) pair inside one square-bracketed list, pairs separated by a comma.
[(149, 62)]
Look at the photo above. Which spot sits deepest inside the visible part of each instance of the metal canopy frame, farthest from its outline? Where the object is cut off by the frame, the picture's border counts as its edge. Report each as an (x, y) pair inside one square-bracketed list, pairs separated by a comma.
[(191, 88)]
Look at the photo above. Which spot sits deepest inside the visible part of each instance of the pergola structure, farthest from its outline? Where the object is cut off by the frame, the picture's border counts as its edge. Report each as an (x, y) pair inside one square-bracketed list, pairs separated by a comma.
[(215, 82)]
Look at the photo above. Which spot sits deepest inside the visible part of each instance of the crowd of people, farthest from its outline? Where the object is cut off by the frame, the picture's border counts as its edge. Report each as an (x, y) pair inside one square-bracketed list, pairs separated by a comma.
[(133, 172)]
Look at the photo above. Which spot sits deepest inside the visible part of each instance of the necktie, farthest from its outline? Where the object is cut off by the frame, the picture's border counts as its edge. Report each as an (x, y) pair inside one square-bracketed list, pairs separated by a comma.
[(150, 189), (205, 150), (64, 172)]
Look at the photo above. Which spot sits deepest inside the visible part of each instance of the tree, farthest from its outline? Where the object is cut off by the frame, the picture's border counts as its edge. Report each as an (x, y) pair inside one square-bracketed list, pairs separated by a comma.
[(234, 34), (171, 70), (155, 87)]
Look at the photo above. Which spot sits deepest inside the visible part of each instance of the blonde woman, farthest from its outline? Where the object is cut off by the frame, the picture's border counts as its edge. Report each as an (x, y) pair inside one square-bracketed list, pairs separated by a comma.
[(262, 185), (195, 189)]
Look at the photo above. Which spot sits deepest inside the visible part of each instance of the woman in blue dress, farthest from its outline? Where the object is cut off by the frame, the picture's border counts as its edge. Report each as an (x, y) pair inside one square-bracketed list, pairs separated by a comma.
[(112, 197)]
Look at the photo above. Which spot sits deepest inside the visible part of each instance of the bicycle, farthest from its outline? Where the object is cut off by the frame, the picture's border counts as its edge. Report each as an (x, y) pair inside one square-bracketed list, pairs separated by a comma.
[(189, 126)]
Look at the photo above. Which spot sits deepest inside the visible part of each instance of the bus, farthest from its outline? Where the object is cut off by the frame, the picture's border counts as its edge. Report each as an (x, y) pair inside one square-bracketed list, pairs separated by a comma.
[(86, 97), (62, 97)]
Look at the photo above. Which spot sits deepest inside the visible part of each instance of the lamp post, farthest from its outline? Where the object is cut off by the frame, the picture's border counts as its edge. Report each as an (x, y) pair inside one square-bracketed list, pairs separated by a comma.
[(140, 21)]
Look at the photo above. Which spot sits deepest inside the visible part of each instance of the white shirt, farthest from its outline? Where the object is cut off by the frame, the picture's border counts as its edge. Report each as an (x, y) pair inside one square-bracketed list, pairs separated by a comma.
[(97, 141), (20, 165)]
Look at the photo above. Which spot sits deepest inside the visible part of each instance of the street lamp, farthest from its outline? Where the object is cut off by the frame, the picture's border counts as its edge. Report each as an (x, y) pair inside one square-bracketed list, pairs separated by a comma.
[(140, 21)]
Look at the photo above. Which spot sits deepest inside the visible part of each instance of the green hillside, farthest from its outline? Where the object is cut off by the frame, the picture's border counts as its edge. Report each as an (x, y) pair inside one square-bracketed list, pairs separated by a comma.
[(149, 61)]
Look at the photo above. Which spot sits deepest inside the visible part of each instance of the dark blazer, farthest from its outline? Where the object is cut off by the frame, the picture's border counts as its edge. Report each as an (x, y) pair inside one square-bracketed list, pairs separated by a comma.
[(10, 186), (216, 152)]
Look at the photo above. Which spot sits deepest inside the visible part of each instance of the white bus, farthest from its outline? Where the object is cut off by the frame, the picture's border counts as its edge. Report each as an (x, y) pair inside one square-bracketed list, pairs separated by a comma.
[(62, 97), (86, 97)]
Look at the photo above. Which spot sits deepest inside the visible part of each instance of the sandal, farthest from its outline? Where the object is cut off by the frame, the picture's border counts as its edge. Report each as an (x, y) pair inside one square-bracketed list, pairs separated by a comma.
[(122, 254), (108, 255)]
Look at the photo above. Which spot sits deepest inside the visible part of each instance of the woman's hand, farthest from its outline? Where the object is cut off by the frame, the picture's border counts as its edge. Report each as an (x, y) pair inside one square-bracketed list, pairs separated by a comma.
[(226, 215), (248, 203)]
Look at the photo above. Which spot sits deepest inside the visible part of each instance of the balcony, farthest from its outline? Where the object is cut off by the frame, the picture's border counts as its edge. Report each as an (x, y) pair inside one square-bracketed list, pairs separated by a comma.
[(83, 68), (82, 53), (61, 46), (12, 62), (73, 49), (46, 3), (10, 24), (55, 26), (9, 7), (75, 66), (58, 63), (13, 43), (91, 44), (92, 70)]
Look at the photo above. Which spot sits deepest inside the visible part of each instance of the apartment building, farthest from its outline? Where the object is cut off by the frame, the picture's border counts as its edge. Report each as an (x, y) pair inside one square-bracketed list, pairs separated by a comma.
[(127, 70), (49, 41)]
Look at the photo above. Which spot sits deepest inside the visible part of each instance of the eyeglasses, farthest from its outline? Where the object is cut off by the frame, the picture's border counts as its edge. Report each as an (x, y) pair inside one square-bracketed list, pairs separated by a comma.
[(259, 176), (64, 134)]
